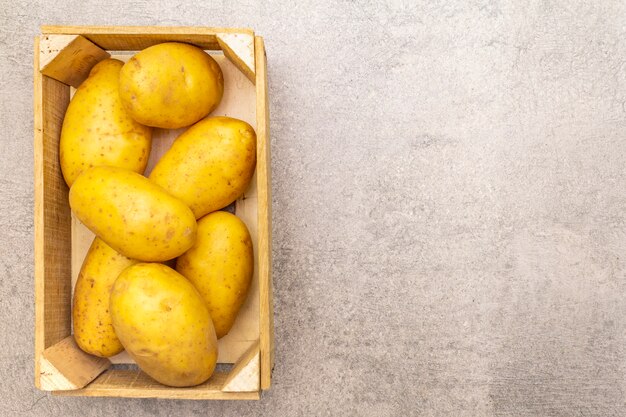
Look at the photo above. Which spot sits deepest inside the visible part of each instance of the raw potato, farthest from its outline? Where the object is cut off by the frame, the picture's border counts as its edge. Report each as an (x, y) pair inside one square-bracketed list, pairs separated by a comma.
[(171, 85), (210, 165), (164, 325), (220, 266), (93, 330), (132, 215), (98, 131)]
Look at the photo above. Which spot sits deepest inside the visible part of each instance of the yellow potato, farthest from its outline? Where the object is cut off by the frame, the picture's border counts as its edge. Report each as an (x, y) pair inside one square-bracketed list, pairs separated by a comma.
[(210, 165), (164, 325), (131, 214), (98, 131), (93, 330), (220, 266), (171, 85)]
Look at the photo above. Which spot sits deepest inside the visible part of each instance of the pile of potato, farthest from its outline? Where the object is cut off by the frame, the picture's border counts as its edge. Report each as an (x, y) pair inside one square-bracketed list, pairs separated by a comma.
[(167, 319)]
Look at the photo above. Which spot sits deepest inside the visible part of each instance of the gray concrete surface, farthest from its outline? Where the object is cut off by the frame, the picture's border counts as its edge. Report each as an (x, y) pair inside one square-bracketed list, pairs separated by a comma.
[(449, 184)]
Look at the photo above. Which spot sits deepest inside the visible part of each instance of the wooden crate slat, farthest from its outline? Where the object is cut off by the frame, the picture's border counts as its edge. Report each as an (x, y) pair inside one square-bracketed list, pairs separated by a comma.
[(133, 38), (264, 218), (139, 30), (136, 384), (52, 216)]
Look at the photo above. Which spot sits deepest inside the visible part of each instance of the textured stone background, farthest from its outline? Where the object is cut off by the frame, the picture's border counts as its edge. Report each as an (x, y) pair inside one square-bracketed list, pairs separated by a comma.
[(449, 191)]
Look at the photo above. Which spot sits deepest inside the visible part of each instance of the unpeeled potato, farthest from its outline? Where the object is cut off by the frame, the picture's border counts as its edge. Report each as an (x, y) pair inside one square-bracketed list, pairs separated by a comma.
[(171, 85), (164, 325), (220, 265), (93, 330), (98, 131), (210, 165), (131, 214)]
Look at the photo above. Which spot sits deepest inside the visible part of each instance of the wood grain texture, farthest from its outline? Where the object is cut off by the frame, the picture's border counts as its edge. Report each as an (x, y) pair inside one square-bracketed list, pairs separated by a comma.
[(64, 366), (245, 375), (132, 38), (239, 48), (68, 58), (266, 328), (38, 209), (51, 217), (136, 384), (139, 30)]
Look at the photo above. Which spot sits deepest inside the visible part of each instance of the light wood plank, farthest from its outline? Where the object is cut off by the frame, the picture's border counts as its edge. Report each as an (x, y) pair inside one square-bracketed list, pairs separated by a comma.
[(134, 38), (245, 375), (52, 216), (38, 211), (65, 367), (139, 30), (68, 58), (239, 48), (136, 384), (266, 329)]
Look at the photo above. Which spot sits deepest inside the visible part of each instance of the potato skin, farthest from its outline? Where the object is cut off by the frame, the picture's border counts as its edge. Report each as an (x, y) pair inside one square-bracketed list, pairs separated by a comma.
[(171, 85), (220, 266), (131, 214), (98, 131), (210, 165), (164, 325), (93, 330)]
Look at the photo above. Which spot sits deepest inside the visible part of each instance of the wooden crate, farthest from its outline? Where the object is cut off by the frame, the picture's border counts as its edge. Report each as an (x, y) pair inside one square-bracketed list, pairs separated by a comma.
[(63, 58)]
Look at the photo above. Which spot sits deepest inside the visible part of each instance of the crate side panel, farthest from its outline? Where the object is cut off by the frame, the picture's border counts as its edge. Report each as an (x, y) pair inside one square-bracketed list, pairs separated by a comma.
[(52, 218), (56, 217), (131, 42), (38, 209), (136, 384), (140, 30), (264, 218), (132, 38)]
